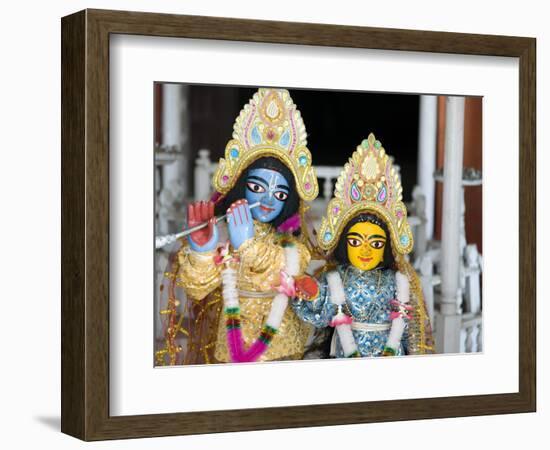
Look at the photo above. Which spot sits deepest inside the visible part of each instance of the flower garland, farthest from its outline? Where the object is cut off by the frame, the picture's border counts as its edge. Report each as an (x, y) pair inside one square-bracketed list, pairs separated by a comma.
[(341, 321), (232, 311)]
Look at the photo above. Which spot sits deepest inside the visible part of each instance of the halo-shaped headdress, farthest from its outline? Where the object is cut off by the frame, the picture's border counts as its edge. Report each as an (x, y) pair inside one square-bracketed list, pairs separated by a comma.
[(269, 125), (368, 183)]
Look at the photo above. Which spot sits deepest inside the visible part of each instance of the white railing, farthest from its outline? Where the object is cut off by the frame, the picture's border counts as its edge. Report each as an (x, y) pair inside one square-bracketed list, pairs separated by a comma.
[(468, 300), (204, 170), (471, 333), (328, 174)]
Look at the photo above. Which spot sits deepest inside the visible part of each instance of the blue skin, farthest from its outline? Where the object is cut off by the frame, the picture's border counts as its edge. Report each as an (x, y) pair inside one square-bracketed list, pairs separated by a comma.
[(271, 189), (266, 186)]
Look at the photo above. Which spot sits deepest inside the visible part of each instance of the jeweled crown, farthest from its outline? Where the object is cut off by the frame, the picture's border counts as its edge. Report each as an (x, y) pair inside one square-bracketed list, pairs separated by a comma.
[(368, 184), (269, 125)]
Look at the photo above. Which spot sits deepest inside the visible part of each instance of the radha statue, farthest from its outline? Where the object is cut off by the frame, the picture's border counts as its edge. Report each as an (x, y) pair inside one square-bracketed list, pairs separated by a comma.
[(372, 295), (238, 293)]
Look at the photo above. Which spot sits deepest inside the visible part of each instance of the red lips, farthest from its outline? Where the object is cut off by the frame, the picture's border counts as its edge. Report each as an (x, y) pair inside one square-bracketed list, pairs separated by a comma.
[(365, 259), (266, 208)]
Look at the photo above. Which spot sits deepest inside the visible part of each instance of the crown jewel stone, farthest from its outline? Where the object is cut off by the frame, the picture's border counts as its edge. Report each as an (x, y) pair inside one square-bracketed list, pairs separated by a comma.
[(369, 168), (272, 110)]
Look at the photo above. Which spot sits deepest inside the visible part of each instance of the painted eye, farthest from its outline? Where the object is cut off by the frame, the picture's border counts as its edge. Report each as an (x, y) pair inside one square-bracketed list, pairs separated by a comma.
[(255, 187), (281, 196), (354, 242), (377, 244)]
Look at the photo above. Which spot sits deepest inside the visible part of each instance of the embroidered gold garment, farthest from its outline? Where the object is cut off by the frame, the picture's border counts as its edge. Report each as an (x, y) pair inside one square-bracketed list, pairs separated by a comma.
[(261, 260)]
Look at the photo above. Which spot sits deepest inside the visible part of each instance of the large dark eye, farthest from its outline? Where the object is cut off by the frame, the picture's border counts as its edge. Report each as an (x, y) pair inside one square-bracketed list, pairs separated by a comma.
[(354, 242), (377, 244), (280, 195), (255, 187)]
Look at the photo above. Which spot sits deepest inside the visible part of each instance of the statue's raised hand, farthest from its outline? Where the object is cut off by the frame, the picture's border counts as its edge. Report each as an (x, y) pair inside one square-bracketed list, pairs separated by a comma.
[(206, 239), (239, 223)]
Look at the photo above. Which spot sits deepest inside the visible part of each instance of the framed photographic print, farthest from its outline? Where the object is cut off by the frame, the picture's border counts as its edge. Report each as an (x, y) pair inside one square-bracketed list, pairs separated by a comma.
[(253, 211)]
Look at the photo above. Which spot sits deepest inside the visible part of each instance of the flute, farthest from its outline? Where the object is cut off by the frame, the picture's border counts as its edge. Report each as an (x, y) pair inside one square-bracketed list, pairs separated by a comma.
[(162, 241)]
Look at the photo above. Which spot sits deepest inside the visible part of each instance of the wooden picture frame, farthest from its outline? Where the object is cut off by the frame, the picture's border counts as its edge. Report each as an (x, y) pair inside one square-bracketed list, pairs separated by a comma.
[(85, 224)]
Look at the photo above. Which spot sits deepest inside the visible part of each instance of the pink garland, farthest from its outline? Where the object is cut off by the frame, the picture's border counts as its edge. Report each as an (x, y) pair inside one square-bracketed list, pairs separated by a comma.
[(234, 335), (290, 225), (235, 343), (257, 349)]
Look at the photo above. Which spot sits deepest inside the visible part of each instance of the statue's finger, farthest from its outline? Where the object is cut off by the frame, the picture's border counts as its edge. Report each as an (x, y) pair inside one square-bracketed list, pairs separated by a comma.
[(191, 213), (202, 217), (211, 209), (230, 217), (247, 212), (244, 213), (211, 223)]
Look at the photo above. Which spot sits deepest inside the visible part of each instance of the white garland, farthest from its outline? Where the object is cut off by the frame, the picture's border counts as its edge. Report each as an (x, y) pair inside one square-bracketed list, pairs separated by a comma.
[(338, 297), (229, 288), (398, 324), (279, 303)]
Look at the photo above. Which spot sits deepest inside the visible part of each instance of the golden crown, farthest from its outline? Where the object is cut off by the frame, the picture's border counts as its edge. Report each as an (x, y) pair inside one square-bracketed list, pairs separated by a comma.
[(368, 183), (269, 125)]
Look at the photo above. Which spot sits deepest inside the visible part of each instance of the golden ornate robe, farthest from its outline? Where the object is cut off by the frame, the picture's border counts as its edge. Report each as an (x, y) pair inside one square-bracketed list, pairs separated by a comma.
[(261, 260)]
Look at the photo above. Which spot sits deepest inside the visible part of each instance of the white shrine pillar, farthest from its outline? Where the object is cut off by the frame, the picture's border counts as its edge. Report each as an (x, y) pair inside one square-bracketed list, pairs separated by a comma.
[(427, 148), (448, 319), (174, 131)]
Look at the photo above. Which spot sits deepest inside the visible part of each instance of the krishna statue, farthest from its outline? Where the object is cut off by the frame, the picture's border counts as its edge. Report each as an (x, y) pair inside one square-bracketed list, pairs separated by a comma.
[(369, 293), (238, 293)]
